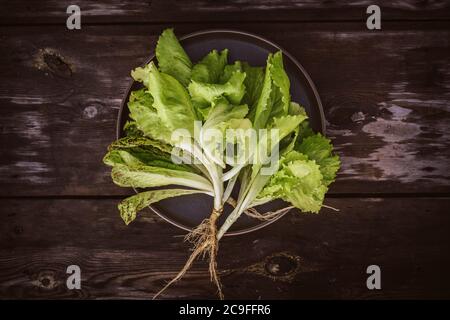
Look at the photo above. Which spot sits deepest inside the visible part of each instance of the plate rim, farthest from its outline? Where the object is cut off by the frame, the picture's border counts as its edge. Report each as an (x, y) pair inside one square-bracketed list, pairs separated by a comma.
[(248, 34)]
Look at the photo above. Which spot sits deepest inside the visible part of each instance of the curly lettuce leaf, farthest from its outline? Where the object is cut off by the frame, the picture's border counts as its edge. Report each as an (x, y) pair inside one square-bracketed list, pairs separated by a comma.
[(211, 67), (203, 94), (265, 155), (229, 70), (145, 116), (298, 181), (172, 59), (171, 102), (319, 149)]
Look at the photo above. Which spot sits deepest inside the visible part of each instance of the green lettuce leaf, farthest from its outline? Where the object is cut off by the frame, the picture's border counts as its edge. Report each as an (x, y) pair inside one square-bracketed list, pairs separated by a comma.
[(296, 108), (298, 181), (142, 176), (210, 68), (224, 116), (131, 129), (281, 98), (139, 141), (171, 102), (223, 111), (319, 149), (172, 59), (144, 156), (274, 100), (260, 114), (146, 118), (229, 70), (144, 151), (285, 125), (130, 206), (203, 94), (288, 143), (253, 84)]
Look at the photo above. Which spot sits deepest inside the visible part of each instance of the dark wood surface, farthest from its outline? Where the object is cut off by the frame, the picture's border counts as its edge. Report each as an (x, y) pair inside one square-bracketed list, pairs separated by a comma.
[(172, 11), (299, 256), (386, 96)]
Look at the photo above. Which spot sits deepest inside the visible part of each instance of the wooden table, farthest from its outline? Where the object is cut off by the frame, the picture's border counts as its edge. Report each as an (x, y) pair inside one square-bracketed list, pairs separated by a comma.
[(386, 95)]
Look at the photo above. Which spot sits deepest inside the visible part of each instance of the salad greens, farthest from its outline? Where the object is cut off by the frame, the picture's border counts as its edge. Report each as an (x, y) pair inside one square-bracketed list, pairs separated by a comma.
[(169, 141)]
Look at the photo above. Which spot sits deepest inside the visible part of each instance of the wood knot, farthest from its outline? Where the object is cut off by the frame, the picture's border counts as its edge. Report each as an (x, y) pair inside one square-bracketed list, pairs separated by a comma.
[(282, 265), (90, 112), (279, 266), (46, 280), (345, 115), (51, 61)]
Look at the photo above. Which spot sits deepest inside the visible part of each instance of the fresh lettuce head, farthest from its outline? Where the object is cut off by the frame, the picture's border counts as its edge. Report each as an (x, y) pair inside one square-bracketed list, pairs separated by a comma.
[(184, 110), (178, 93)]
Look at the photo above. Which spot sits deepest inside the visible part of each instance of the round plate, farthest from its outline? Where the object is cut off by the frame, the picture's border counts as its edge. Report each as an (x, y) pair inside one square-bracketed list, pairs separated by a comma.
[(187, 212)]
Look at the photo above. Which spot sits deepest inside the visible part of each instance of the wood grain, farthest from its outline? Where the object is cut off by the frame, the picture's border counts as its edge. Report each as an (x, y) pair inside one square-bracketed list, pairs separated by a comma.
[(386, 97), (172, 11), (299, 256)]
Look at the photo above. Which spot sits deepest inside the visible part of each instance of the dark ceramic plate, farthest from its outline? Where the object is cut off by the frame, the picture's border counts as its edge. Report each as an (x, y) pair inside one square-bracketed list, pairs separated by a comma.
[(188, 211)]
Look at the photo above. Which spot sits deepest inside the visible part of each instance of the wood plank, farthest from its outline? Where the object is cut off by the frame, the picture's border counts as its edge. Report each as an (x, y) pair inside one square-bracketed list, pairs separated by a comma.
[(299, 256), (156, 11), (386, 98)]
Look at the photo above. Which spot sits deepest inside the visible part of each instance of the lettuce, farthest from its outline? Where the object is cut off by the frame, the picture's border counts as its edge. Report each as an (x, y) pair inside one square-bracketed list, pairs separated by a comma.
[(223, 116), (130, 206), (296, 165), (274, 100), (299, 181), (143, 176), (210, 68), (170, 101), (253, 83), (172, 59), (203, 94), (318, 148)]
